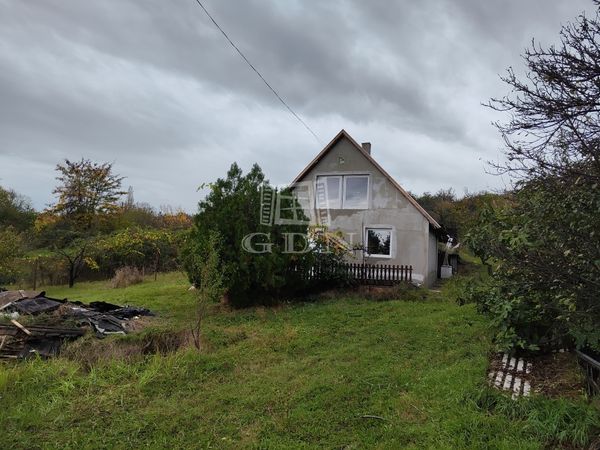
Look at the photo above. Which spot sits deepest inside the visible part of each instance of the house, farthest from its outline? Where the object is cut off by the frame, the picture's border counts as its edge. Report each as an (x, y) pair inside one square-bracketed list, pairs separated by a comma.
[(345, 190)]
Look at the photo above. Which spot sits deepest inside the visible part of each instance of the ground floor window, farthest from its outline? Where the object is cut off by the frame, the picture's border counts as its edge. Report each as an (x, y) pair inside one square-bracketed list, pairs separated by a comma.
[(379, 242)]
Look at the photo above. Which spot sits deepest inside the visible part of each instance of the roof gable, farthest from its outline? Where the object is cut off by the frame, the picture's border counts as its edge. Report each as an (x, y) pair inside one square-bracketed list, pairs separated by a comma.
[(344, 134)]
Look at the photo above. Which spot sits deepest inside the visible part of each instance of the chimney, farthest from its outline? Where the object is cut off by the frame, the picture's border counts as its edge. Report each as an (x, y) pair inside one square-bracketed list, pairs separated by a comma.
[(366, 147)]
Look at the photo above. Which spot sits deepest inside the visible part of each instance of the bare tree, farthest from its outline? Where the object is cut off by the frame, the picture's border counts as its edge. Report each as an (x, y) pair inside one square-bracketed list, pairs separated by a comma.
[(554, 125)]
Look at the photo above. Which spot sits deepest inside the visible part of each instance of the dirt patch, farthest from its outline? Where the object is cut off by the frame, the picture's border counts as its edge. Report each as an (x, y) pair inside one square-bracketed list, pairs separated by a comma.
[(557, 375)]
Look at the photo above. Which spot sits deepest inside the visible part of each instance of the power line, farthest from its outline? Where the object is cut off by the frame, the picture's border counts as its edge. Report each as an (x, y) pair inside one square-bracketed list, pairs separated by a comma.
[(257, 72)]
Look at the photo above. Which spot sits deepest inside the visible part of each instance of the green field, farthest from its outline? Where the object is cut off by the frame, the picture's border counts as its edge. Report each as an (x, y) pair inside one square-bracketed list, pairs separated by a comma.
[(342, 373)]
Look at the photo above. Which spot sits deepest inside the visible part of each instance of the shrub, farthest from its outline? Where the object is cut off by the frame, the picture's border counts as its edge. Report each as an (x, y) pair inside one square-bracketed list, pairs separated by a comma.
[(544, 250), (154, 249), (126, 276), (232, 208), (10, 250), (210, 289)]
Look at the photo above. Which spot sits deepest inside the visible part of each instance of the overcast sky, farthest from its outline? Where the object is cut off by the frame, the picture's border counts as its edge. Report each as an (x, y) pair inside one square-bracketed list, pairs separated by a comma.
[(152, 86)]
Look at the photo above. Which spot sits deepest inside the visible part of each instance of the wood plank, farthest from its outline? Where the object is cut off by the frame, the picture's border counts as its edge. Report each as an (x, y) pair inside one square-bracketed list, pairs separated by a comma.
[(21, 327)]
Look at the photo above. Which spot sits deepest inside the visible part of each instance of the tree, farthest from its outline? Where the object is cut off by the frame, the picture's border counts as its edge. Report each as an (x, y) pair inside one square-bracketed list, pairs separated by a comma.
[(442, 207), (457, 215), (75, 258), (87, 191), (543, 292), (232, 208), (10, 250), (15, 210), (88, 195), (554, 129)]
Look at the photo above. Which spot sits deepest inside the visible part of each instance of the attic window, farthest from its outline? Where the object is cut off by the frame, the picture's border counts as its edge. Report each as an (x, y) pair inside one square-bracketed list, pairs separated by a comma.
[(329, 192), (342, 192), (356, 192), (379, 242)]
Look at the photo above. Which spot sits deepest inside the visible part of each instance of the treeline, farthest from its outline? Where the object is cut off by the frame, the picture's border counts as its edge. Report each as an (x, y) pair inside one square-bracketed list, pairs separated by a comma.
[(91, 230), (458, 215)]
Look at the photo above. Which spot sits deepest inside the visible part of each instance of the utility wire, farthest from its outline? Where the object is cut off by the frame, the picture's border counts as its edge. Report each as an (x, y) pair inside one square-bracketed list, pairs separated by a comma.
[(257, 72)]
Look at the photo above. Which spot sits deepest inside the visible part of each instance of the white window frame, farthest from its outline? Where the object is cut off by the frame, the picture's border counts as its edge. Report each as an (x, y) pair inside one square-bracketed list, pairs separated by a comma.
[(366, 201), (342, 177), (382, 228)]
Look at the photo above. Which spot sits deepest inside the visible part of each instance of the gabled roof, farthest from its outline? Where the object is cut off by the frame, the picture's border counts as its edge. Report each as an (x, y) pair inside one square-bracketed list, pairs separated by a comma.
[(359, 148)]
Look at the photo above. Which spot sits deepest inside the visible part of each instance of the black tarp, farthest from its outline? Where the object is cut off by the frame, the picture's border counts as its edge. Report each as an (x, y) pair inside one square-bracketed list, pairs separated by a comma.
[(33, 306)]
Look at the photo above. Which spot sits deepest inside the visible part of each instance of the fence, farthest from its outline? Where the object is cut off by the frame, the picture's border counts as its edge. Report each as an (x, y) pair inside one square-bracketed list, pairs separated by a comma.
[(375, 274), (592, 372)]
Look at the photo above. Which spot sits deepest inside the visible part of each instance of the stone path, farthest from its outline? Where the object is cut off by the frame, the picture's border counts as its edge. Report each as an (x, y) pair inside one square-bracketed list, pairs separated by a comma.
[(511, 375)]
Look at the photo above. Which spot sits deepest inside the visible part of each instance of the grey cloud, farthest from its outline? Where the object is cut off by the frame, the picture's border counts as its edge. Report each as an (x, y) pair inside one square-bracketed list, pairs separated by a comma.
[(153, 85)]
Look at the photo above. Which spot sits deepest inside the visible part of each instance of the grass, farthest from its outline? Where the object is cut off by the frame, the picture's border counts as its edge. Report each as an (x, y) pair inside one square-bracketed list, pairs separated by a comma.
[(168, 297), (341, 373)]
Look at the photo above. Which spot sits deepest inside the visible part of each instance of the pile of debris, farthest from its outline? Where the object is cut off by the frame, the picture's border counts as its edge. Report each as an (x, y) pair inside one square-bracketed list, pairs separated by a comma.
[(58, 321)]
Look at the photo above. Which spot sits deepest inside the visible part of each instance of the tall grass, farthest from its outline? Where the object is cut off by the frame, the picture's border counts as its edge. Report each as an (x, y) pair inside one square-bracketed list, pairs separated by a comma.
[(340, 373)]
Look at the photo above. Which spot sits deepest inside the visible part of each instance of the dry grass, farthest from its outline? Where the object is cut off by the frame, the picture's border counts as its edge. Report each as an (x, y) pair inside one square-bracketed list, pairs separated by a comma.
[(126, 276), (91, 352)]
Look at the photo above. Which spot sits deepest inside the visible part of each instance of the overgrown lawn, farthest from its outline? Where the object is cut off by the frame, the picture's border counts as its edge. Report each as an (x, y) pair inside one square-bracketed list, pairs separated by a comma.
[(344, 373)]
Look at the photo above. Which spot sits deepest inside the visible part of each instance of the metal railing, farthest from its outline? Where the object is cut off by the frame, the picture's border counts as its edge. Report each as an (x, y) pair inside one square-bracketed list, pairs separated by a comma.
[(591, 367)]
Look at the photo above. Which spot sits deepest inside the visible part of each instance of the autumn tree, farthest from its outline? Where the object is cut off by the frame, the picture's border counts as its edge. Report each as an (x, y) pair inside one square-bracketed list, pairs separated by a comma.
[(87, 191), (87, 195)]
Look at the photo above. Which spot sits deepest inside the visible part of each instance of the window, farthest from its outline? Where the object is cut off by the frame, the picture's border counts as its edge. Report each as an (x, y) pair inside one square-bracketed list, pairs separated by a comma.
[(356, 192), (329, 192), (342, 192), (379, 242)]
